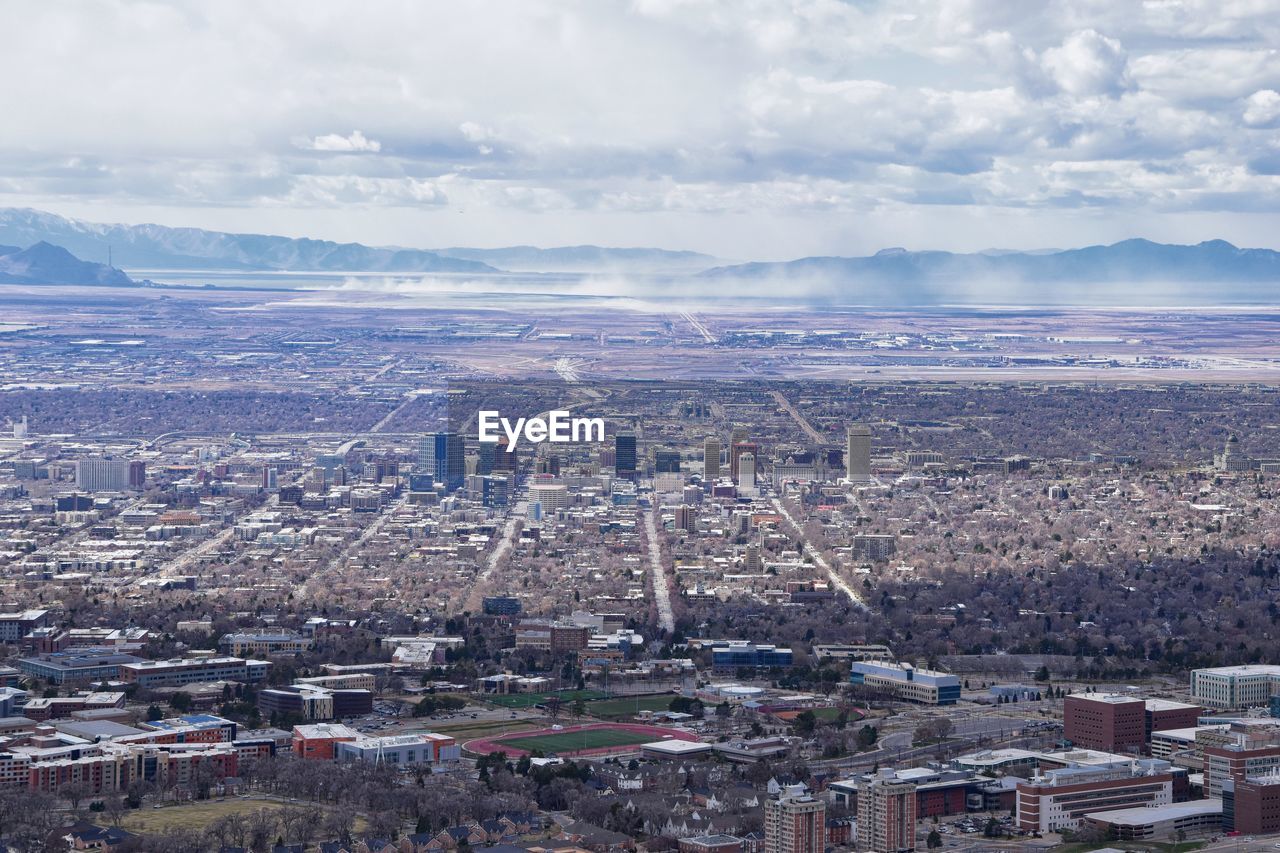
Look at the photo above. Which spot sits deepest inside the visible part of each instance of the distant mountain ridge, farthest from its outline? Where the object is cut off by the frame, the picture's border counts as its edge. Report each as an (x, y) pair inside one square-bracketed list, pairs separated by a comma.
[(1133, 272), (1128, 260), (158, 246), (44, 263), (1130, 269), (162, 247)]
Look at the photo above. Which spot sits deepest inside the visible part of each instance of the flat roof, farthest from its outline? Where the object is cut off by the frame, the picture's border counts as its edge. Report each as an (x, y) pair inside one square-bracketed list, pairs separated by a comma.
[(675, 746), (1187, 734), (1242, 669), (1170, 705), (1143, 816), (1109, 698)]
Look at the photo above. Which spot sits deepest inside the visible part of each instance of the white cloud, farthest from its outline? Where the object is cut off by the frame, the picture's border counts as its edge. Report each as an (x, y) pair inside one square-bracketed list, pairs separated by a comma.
[(355, 141), (722, 124), (1088, 63), (1262, 109)]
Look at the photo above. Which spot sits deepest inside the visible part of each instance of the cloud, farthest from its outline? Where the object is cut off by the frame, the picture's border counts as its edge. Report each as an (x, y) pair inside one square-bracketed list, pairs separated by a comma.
[(355, 141), (1088, 63), (1262, 109), (730, 125)]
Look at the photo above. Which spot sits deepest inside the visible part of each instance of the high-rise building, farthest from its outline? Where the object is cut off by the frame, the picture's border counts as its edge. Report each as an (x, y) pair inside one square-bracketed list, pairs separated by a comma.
[(887, 814), (624, 453), (735, 454), (551, 496), (711, 460), (857, 455), (795, 822), (137, 474), (484, 458), (441, 455), (686, 518), (504, 458), (102, 474), (747, 470), (666, 462)]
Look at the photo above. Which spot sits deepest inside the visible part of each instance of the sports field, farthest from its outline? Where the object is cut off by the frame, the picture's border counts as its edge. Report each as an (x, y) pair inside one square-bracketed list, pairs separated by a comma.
[(575, 741), (589, 739)]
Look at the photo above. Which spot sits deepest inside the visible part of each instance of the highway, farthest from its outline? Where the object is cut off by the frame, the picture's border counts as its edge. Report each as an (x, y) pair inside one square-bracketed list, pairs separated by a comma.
[(801, 420)]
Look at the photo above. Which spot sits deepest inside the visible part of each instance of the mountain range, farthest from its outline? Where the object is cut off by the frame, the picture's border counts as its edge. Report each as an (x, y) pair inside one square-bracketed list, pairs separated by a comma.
[(1129, 272), (1211, 271), (159, 247)]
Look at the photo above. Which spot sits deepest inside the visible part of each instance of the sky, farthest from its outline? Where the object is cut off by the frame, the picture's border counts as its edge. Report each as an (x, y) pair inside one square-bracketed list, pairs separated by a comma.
[(742, 128)]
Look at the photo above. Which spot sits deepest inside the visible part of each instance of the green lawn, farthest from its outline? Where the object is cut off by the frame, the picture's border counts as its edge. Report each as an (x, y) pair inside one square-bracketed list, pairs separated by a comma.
[(573, 741), (829, 715), (528, 700), (628, 706)]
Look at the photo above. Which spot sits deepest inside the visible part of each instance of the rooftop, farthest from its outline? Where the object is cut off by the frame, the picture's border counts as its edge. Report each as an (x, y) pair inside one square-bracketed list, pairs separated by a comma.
[(1156, 814)]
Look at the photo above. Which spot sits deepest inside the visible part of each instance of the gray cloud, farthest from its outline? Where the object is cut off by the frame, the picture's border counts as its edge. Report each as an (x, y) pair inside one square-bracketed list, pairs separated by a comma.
[(706, 121)]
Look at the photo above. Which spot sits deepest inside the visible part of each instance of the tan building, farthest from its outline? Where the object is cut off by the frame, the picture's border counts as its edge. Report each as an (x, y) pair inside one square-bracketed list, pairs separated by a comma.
[(887, 814), (795, 822)]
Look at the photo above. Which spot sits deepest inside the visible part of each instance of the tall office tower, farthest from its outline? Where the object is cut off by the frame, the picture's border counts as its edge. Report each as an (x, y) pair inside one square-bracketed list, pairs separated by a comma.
[(795, 822), (137, 474), (735, 454), (608, 457), (711, 460), (270, 479), (857, 454), (624, 450), (441, 455), (686, 518), (484, 457), (102, 474), (887, 814), (666, 462), (20, 428), (752, 562), (747, 470), (504, 458)]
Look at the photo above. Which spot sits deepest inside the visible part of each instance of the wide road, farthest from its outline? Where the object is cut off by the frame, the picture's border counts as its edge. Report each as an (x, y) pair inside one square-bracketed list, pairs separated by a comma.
[(801, 420), (661, 590), (812, 552), (475, 600)]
